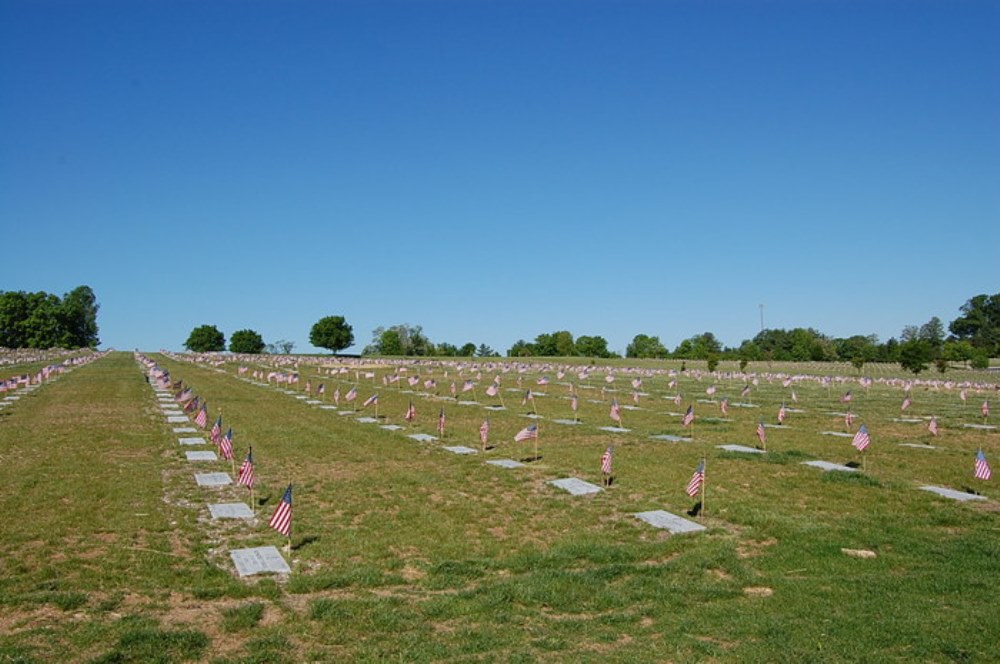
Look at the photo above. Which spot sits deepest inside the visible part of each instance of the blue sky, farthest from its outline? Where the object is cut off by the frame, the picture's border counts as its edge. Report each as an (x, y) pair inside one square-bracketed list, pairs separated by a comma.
[(495, 170)]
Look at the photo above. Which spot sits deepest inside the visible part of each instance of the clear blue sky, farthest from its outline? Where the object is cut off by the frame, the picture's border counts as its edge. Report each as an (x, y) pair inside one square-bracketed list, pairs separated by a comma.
[(494, 170)]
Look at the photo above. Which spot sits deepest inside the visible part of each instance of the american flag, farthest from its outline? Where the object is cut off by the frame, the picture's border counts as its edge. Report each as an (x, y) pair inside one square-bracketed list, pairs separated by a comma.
[(616, 411), (216, 430), (351, 395), (484, 432), (574, 403), (492, 390), (636, 383), (745, 391), (724, 407), (848, 419), (963, 395), (441, 422), (191, 405), (907, 402), (688, 416), (544, 380), (982, 470), (309, 387), (373, 399), (606, 461), (527, 397), (697, 480), (467, 385), (226, 444), (411, 413), (861, 439), (847, 397), (710, 391), (635, 398), (527, 433), (933, 426), (201, 419), (246, 471), (677, 400), (281, 520), (453, 388), (321, 390), (336, 396), (986, 408), (781, 414), (762, 432)]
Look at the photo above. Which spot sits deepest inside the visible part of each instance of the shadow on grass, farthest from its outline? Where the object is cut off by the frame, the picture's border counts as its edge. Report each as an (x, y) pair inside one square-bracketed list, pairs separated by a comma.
[(695, 510), (529, 459), (305, 541)]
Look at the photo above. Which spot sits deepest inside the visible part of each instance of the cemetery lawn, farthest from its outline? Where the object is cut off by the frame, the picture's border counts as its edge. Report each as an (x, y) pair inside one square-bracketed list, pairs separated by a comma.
[(403, 551)]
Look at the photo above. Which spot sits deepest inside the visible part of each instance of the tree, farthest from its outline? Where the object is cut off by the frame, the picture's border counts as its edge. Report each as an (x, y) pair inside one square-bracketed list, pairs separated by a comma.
[(78, 314), (521, 348), (932, 331), (915, 354), (400, 340), (467, 350), (979, 323), (588, 346), (332, 333), (699, 347), (280, 347), (645, 346), (206, 339), (246, 341), (446, 349), (485, 351)]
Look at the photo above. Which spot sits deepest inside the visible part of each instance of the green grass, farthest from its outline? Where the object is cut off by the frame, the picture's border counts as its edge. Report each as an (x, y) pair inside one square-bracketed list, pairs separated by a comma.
[(405, 552)]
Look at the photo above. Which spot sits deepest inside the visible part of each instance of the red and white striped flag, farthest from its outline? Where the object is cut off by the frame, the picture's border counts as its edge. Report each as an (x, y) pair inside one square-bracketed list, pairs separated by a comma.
[(373, 399), (986, 409), (440, 428), (781, 414), (697, 480), (281, 520), (762, 433), (933, 426), (226, 445), (982, 469), (245, 476), (527, 433), (688, 418), (484, 432), (616, 411), (351, 395), (907, 402), (724, 407), (201, 419), (411, 413), (606, 461), (861, 439)]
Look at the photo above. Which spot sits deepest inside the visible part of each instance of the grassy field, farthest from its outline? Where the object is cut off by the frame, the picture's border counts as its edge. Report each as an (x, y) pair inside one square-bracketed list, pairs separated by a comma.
[(405, 552)]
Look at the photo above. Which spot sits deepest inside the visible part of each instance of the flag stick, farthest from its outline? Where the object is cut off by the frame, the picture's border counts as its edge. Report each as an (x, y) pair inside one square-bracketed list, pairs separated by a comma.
[(538, 431), (253, 503), (704, 482), (500, 394)]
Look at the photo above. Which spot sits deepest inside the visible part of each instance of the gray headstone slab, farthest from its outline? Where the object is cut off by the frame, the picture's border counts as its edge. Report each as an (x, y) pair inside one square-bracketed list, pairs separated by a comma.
[(461, 449), (176, 419), (505, 463), (230, 511), (213, 479), (468, 403), (795, 410), (534, 416), (313, 402), (827, 466), (576, 486), (13, 397), (192, 440), (918, 446), (366, 420), (569, 422), (951, 493), (777, 426), (346, 412), (614, 429), (743, 405), (185, 430), (495, 408), (740, 448), (422, 437), (328, 407), (301, 396), (715, 420), (907, 420), (259, 560), (667, 521), (671, 438), (391, 427), (173, 413), (206, 455), (840, 434), (984, 427), (630, 407)]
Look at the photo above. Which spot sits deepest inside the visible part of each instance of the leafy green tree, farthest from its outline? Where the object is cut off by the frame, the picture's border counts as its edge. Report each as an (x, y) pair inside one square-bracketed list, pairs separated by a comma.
[(400, 340), (332, 333), (645, 346), (979, 323), (485, 351), (78, 316), (467, 350), (246, 341), (699, 347), (915, 354), (446, 349), (933, 332), (280, 347), (521, 348), (206, 339), (592, 346)]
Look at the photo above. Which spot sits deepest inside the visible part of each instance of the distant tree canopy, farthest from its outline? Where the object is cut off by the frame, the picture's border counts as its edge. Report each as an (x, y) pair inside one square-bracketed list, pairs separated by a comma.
[(206, 339), (645, 346), (43, 320), (561, 344), (979, 324), (332, 333), (246, 341), (403, 339)]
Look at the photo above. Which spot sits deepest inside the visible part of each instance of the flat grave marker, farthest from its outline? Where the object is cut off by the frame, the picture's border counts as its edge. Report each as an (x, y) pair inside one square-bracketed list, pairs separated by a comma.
[(230, 511), (495, 408), (505, 463), (202, 455), (741, 448), (366, 420), (422, 437), (213, 479), (670, 438), (840, 434), (951, 493), (259, 560), (667, 521), (575, 486), (907, 420), (176, 419), (715, 420), (918, 446), (827, 466), (192, 440), (981, 427), (328, 407), (391, 427), (569, 422), (185, 430), (461, 449), (614, 429), (313, 402), (468, 403)]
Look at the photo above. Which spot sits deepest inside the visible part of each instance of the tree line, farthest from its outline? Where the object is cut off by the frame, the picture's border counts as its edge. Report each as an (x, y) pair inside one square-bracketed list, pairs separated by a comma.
[(42, 320), (972, 339)]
